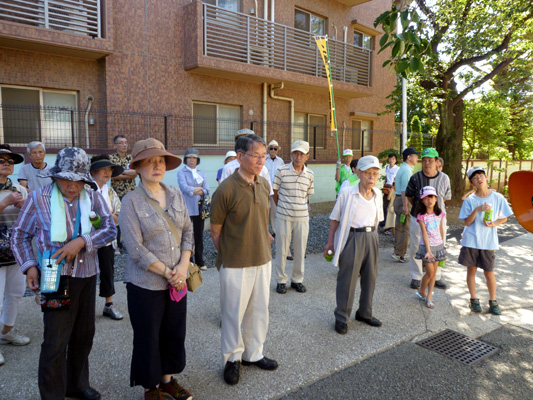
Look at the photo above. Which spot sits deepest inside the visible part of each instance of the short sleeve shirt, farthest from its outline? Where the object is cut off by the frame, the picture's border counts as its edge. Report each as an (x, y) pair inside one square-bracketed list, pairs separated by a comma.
[(477, 235), (242, 210), (432, 223), (123, 186), (293, 190), (31, 174)]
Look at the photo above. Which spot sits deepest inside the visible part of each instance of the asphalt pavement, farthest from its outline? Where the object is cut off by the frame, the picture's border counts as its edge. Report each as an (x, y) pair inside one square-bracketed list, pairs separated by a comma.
[(316, 362)]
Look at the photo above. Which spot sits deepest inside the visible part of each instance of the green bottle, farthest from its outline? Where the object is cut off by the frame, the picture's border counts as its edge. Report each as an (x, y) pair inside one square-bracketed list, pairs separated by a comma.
[(95, 219)]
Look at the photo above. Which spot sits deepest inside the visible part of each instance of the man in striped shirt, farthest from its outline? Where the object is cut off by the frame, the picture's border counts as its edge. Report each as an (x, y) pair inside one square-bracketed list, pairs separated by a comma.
[(293, 183)]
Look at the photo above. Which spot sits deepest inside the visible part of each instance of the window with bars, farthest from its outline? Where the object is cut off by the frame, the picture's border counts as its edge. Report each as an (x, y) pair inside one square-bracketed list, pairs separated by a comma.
[(362, 135), (215, 124), (304, 129)]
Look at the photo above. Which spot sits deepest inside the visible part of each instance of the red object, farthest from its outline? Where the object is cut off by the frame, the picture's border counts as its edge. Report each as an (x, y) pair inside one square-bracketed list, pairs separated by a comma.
[(521, 194)]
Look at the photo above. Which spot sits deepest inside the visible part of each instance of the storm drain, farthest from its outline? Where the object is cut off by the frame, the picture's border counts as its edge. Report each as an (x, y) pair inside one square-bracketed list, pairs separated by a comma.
[(458, 347)]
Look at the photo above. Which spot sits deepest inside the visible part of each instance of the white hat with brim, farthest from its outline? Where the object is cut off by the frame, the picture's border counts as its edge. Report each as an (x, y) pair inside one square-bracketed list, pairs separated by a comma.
[(273, 143), (301, 146), (230, 153), (428, 191), (368, 162)]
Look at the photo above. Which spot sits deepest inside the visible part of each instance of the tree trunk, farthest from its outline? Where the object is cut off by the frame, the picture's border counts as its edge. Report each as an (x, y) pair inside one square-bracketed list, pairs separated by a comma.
[(450, 143)]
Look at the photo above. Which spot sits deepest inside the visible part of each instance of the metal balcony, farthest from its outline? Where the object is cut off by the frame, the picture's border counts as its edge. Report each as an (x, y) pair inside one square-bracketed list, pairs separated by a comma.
[(243, 38), (75, 16)]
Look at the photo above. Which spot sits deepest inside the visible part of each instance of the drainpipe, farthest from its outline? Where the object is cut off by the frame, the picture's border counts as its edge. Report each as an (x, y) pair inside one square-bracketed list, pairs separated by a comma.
[(272, 4), (265, 10), (265, 116), (90, 100), (278, 86), (345, 28)]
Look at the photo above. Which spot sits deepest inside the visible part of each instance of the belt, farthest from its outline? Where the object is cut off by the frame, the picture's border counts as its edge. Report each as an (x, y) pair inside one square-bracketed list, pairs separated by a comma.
[(364, 229)]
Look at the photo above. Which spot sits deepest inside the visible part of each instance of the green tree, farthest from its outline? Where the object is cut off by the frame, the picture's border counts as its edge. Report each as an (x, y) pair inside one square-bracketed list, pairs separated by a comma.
[(452, 48), (416, 141)]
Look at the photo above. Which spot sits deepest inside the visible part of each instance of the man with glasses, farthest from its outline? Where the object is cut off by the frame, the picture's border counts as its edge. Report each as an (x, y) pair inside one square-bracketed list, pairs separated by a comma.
[(292, 186), (239, 209), (125, 182), (273, 163), (354, 241)]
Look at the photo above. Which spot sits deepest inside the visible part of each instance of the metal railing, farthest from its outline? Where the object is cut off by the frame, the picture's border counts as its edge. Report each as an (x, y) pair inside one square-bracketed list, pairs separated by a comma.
[(76, 16), (239, 37)]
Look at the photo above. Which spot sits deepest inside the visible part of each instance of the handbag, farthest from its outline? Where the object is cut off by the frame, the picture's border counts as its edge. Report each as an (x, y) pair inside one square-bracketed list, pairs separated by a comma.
[(6, 255), (386, 189), (204, 207), (58, 300), (194, 277)]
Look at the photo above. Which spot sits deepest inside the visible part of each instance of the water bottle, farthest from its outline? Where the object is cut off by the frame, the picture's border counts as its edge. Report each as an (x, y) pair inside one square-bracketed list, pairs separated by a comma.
[(402, 218), (488, 215), (329, 256), (95, 219)]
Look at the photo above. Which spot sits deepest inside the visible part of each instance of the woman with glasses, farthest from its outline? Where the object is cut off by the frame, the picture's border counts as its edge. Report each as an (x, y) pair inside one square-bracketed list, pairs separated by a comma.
[(12, 282)]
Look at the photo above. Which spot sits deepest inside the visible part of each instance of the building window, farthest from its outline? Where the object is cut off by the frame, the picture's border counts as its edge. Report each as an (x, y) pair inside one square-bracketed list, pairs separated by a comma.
[(362, 40), (362, 135), (304, 127), (215, 124), (231, 5), (28, 114), (309, 22)]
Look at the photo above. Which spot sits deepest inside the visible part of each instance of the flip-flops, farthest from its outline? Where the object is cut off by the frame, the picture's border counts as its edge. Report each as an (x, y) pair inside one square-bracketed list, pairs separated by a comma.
[(420, 297), (430, 304)]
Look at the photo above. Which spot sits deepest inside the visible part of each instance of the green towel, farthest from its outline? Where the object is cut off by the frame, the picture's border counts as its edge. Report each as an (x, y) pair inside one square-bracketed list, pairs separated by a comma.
[(58, 215)]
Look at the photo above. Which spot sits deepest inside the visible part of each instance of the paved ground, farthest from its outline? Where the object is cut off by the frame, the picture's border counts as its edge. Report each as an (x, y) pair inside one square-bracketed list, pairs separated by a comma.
[(315, 362)]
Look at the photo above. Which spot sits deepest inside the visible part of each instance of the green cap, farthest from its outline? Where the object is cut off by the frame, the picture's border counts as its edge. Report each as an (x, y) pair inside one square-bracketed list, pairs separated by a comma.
[(430, 152)]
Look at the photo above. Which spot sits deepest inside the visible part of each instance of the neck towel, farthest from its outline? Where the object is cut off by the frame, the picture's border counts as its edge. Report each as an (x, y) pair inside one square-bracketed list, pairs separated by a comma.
[(58, 229), (195, 175)]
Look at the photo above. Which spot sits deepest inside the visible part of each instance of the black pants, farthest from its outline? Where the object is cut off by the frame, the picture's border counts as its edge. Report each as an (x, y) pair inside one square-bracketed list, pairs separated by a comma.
[(106, 260), (159, 326), (198, 227), (68, 339)]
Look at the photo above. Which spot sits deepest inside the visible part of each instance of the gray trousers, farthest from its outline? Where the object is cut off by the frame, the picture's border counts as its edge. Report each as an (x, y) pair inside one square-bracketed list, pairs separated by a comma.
[(402, 231), (359, 257)]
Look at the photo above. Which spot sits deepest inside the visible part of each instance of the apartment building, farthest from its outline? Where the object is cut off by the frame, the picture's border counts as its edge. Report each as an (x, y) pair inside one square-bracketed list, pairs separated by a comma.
[(191, 73)]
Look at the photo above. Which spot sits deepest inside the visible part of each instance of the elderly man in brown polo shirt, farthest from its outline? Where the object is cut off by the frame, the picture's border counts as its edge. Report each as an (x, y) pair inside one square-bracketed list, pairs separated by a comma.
[(239, 222)]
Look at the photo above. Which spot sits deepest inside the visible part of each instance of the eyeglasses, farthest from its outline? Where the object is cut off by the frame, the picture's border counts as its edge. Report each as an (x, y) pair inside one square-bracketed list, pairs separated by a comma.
[(10, 161), (272, 148), (260, 157)]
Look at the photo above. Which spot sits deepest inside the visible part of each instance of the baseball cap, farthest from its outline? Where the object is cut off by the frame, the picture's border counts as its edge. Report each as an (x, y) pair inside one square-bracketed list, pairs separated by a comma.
[(428, 191), (408, 151), (430, 152), (347, 152), (367, 162), (300, 145), (473, 170)]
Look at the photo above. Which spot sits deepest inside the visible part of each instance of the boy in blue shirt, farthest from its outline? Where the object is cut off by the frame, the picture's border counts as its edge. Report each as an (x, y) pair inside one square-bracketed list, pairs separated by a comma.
[(480, 237)]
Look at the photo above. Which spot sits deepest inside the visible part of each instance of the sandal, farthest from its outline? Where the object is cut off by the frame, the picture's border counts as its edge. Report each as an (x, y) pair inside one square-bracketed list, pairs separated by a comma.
[(430, 304), (420, 297)]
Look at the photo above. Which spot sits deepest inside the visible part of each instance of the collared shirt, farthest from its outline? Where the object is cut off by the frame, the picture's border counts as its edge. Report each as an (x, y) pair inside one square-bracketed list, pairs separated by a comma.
[(272, 166), (242, 209), (390, 173), (293, 191), (148, 238), (402, 177), (122, 186), (187, 185), (441, 183), (232, 166), (35, 221), (31, 174), (344, 210)]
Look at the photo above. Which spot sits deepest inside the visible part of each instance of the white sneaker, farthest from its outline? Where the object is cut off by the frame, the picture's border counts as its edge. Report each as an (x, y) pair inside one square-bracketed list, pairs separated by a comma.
[(14, 338), (2, 359), (395, 257), (203, 268)]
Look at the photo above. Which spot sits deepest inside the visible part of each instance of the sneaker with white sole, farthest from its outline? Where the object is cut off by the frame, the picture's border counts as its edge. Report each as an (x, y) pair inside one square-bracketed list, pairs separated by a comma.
[(2, 359), (14, 338), (203, 268), (112, 313), (403, 259), (395, 257)]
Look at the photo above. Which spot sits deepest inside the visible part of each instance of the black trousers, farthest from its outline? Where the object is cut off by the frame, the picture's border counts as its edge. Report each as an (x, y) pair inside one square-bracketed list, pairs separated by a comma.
[(198, 227), (159, 326), (106, 260), (68, 339)]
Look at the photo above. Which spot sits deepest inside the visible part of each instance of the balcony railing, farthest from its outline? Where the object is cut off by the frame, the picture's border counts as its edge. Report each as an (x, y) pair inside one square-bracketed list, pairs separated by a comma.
[(76, 16), (247, 39)]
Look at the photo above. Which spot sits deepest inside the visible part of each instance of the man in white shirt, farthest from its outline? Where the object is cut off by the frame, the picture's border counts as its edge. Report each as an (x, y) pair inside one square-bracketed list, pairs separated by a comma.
[(272, 163), (354, 240)]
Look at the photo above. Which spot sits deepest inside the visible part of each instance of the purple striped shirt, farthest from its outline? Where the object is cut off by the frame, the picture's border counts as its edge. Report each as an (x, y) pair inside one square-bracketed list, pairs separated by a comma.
[(34, 221)]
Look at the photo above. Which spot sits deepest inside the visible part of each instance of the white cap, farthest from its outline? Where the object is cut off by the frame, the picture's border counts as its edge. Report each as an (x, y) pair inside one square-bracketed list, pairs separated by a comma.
[(367, 162), (243, 132), (230, 153), (301, 146), (273, 143), (347, 152), (473, 169)]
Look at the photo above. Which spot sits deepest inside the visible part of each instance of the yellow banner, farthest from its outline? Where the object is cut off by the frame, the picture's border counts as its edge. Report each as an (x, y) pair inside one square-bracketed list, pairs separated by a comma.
[(322, 44)]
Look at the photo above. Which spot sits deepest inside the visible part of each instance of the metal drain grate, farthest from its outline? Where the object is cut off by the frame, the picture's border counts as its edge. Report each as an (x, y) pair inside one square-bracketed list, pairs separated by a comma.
[(458, 347)]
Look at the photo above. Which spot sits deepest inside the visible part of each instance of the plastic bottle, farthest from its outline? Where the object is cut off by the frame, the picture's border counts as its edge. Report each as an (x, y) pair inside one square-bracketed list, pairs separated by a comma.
[(329, 256), (488, 215), (402, 218), (95, 219)]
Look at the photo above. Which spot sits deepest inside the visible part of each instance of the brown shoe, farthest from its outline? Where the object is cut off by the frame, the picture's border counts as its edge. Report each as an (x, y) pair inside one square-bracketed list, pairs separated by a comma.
[(156, 394), (174, 389)]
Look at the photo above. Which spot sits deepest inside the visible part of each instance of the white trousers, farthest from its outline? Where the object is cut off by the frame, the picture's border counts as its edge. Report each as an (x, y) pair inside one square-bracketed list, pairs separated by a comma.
[(285, 230), (415, 266), (244, 297), (12, 288)]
